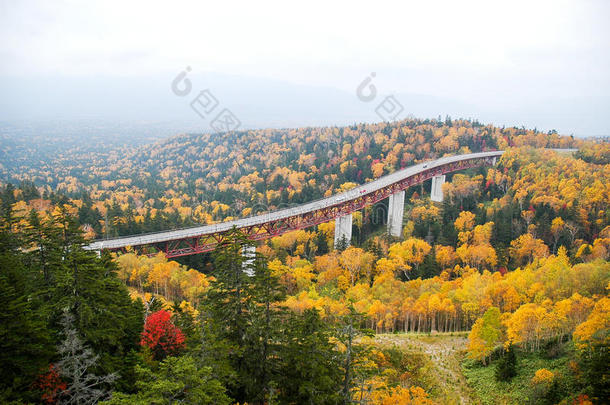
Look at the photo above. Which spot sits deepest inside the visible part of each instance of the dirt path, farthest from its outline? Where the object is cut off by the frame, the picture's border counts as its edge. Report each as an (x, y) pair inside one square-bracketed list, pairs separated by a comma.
[(445, 352)]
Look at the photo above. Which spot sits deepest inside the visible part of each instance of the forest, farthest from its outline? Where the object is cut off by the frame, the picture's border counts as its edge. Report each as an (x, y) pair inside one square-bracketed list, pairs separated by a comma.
[(512, 269)]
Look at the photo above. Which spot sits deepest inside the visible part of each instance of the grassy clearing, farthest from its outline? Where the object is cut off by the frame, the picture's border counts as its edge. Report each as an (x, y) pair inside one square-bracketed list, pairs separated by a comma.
[(451, 379), (519, 390), (444, 351)]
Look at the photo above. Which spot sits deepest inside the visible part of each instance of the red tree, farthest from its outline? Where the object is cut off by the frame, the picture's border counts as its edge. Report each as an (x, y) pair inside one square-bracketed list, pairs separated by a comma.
[(51, 385), (161, 335)]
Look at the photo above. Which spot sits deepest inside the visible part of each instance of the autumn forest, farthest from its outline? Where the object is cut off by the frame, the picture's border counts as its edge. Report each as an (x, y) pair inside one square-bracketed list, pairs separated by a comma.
[(496, 295)]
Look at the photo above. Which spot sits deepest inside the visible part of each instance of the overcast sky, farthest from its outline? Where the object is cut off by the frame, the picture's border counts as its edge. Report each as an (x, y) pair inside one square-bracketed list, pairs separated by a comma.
[(509, 60)]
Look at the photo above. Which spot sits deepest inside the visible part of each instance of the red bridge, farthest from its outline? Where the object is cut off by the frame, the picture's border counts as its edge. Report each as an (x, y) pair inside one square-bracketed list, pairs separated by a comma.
[(338, 207)]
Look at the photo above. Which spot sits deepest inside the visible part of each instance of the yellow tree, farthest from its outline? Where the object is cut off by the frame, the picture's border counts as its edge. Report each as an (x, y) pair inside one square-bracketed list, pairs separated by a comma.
[(445, 256), (384, 265), (302, 272), (464, 224), (402, 396), (541, 382), (557, 226), (595, 329), (377, 313), (526, 248), (543, 376), (475, 249), (434, 307), (128, 264), (328, 230), (485, 335), (284, 275), (357, 262), (477, 255), (526, 326), (329, 270), (409, 253)]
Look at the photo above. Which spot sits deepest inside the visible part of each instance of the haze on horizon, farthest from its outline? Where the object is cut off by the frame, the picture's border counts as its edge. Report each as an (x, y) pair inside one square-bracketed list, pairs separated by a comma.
[(540, 64)]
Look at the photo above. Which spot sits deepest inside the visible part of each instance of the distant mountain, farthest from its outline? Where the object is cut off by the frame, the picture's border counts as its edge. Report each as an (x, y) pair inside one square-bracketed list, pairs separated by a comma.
[(256, 102)]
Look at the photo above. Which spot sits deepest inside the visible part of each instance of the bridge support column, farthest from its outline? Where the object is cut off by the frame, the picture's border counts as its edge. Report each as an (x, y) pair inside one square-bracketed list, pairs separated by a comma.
[(436, 192), (343, 229), (248, 253), (396, 209)]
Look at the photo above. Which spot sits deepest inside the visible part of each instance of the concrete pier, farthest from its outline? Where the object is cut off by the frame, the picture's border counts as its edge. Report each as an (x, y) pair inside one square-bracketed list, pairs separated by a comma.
[(343, 228), (396, 209), (436, 191)]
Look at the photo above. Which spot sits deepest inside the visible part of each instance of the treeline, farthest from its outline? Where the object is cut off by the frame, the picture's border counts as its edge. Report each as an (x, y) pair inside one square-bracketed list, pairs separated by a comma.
[(443, 303)]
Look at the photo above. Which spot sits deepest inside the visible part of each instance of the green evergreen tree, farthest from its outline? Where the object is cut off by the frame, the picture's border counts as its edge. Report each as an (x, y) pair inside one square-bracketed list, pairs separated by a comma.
[(310, 363), (342, 244), (177, 380), (25, 344), (215, 352), (265, 333), (506, 367), (429, 267), (321, 244), (47, 254), (594, 364), (226, 303), (25, 341)]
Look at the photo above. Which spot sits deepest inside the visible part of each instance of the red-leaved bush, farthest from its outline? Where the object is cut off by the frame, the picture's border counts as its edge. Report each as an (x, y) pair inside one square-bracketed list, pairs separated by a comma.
[(51, 384), (161, 335)]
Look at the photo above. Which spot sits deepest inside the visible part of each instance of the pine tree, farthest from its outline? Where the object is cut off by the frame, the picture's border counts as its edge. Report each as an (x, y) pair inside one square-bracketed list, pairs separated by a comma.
[(321, 244), (44, 237), (310, 369), (177, 380), (7, 199), (429, 267), (594, 363), (215, 352), (226, 304), (244, 318), (264, 334), (24, 339), (226, 298), (506, 368), (342, 244)]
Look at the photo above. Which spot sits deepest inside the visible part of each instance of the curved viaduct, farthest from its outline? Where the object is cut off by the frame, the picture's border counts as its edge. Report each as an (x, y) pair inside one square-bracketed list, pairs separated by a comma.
[(339, 207)]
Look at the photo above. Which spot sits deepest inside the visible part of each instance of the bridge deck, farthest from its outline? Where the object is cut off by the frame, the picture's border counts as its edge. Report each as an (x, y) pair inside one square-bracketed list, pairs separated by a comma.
[(337, 199)]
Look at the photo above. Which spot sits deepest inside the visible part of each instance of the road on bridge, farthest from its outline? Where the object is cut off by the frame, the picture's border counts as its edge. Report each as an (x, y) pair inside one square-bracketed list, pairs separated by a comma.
[(193, 240)]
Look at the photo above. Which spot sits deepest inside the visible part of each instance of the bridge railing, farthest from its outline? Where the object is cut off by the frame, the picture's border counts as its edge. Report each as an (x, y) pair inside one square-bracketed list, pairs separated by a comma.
[(321, 203)]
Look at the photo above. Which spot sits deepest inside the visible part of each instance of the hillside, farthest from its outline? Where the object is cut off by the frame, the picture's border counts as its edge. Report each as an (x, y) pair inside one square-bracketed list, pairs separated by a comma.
[(193, 179), (515, 258)]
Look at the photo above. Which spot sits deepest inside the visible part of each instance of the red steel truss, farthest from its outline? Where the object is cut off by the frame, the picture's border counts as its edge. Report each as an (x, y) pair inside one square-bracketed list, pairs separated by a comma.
[(207, 242)]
